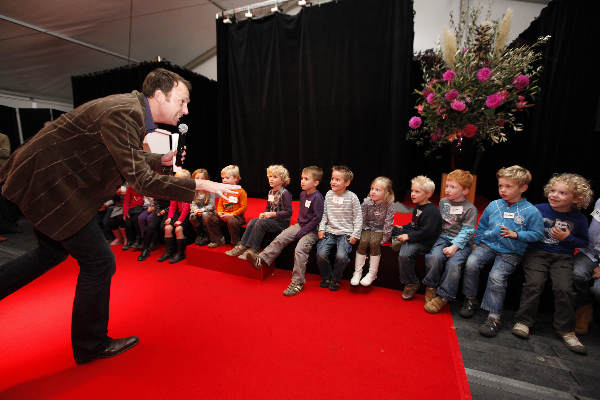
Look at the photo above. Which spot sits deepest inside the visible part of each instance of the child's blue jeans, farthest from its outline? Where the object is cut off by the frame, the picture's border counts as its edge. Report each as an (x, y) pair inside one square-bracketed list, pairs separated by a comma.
[(443, 272), (495, 291), (342, 256)]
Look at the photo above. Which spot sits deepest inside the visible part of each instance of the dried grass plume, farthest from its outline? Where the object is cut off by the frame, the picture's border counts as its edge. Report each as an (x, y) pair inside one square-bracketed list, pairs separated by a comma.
[(503, 31), (448, 42)]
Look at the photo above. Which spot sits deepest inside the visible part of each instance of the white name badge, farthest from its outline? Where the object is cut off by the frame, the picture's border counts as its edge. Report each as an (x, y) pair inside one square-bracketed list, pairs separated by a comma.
[(338, 200), (419, 212), (271, 198), (596, 214), (509, 215), (456, 210), (233, 199), (307, 204)]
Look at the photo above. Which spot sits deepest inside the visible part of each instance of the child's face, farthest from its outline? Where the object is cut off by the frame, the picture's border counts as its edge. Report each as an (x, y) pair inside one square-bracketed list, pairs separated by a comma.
[(454, 191), (377, 193), (418, 195), (308, 183), (560, 197), (275, 181), (338, 183), (201, 176), (510, 191), (228, 178)]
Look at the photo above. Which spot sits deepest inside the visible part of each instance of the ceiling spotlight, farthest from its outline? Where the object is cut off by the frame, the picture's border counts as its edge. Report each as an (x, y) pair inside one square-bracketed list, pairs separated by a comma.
[(248, 14), (226, 20), (276, 8), (302, 3)]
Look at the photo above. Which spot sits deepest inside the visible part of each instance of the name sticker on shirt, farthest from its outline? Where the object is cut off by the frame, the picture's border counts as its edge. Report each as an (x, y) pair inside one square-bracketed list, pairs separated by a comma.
[(307, 203), (419, 212), (596, 214), (271, 198), (456, 210), (519, 219), (338, 200), (509, 215), (233, 199)]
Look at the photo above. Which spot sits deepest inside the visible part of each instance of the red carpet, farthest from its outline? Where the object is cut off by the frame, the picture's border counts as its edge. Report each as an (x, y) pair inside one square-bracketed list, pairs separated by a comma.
[(210, 335)]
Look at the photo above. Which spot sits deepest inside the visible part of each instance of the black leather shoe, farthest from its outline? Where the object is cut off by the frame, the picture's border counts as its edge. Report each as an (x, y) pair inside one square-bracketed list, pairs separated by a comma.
[(145, 254), (113, 348)]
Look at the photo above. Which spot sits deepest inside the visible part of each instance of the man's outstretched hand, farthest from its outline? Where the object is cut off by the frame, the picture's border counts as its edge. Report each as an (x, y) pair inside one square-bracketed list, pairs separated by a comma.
[(222, 189)]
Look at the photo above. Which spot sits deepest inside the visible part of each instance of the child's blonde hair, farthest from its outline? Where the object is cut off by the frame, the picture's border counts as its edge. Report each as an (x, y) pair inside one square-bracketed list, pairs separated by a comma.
[(462, 177), (183, 173), (424, 182), (578, 186), (232, 170), (201, 171), (314, 171), (517, 173), (281, 172), (346, 172), (387, 184)]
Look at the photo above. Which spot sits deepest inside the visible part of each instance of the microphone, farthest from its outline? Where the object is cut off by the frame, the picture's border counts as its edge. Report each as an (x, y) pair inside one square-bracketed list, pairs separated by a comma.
[(183, 128)]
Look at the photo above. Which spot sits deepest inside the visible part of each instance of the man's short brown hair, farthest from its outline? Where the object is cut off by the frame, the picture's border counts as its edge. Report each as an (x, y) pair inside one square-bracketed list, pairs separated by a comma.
[(163, 80)]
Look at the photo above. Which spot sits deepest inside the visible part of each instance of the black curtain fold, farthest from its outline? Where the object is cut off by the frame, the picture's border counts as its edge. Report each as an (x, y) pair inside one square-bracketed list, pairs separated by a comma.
[(10, 127), (328, 86), (202, 138), (561, 132)]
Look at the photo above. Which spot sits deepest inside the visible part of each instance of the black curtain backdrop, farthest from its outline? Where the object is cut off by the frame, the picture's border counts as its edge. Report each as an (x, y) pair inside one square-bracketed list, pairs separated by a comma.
[(202, 119), (328, 86), (9, 126), (32, 120), (563, 129)]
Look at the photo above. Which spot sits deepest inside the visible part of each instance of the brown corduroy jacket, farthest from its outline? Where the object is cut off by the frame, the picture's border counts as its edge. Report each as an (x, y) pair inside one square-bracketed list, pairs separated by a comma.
[(63, 174)]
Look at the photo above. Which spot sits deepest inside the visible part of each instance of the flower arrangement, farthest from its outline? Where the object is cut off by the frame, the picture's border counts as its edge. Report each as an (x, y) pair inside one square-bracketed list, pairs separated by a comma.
[(474, 92)]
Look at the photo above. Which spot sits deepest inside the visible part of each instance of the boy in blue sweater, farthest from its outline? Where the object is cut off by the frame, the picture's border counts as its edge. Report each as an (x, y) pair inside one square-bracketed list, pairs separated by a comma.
[(505, 228), (565, 229)]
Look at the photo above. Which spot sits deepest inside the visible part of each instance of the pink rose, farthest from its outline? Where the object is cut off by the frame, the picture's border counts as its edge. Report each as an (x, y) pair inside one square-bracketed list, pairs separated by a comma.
[(415, 122), (494, 100), (451, 94), (426, 92), (521, 82), (484, 74), (469, 130), (449, 75), (458, 105), (430, 98)]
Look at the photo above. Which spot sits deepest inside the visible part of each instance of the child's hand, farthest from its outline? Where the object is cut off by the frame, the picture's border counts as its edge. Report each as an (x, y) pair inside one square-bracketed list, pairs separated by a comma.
[(150, 209), (596, 273), (177, 223), (198, 212), (352, 240), (161, 213), (321, 235), (167, 221), (560, 233), (450, 250), (402, 238), (507, 233), (221, 214)]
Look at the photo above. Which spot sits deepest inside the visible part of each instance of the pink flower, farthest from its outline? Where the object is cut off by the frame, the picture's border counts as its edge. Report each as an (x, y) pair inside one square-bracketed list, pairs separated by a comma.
[(420, 108), (484, 74), (449, 75), (505, 94), (521, 82), (426, 92), (430, 98), (469, 130), (458, 105), (451, 94), (494, 100), (415, 122)]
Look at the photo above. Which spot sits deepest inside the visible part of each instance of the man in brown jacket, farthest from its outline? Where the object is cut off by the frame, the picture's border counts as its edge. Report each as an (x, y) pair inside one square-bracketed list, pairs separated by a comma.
[(62, 175)]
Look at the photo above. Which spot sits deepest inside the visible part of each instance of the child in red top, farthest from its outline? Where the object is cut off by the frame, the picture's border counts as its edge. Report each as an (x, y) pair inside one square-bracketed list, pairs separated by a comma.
[(133, 205), (177, 220)]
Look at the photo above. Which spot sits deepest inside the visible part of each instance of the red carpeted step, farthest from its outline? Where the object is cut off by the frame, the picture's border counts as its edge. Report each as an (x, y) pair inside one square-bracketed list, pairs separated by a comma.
[(216, 260)]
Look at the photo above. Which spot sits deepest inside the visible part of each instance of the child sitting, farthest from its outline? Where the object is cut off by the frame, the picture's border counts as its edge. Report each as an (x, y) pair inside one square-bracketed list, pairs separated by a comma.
[(305, 232), (133, 205), (177, 220), (339, 228), (565, 229), (445, 262), (150, 222), (505, 228), (230, 212), (586, 274), (378, 220), (418, 236), (200, 208), (275, 218)]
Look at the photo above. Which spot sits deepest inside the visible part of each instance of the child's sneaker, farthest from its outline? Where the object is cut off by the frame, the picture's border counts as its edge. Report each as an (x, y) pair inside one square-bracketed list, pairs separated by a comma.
[(429, 294), (236, 251), (409, 291), (334, 286), (254, 259), (572, 342), (469, 308), (325, 283), (293, 289), (490, 327), (521, 330), (435, 305), (218, 243)]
